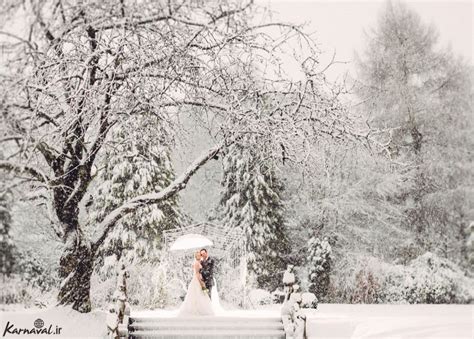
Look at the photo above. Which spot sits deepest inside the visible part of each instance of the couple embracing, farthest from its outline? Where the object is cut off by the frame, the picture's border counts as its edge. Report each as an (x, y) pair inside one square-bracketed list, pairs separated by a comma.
[(198, 297)]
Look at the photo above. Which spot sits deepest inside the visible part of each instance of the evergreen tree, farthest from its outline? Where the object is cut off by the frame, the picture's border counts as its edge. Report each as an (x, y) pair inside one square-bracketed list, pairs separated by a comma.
[(422, 93), (7, 258), (138, 164), (398, 68), (319, 261), (252, 200)]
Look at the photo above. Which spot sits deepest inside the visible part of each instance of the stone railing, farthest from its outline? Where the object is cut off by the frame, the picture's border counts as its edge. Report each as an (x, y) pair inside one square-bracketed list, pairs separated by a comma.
[(119, 310), (294, 320)]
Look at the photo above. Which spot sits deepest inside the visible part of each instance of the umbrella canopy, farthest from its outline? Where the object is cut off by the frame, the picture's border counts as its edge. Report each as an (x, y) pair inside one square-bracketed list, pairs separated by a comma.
[(189, 242)]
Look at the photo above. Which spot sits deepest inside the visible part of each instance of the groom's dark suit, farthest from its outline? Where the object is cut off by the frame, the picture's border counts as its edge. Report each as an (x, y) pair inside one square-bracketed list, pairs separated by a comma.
[(207, 272)]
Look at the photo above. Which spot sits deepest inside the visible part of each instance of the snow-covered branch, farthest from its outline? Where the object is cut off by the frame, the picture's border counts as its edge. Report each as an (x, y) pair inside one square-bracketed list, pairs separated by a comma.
[(152, 198), (19, 169)]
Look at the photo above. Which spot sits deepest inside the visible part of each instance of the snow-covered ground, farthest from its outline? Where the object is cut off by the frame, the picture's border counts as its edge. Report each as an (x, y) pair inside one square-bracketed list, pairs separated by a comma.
[(72, 323), (329, 321), (372, 321), (391, 321)]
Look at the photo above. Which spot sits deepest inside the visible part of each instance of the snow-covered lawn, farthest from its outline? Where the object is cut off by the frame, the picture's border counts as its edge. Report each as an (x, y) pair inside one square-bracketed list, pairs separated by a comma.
[(329, 321), (391, 321)]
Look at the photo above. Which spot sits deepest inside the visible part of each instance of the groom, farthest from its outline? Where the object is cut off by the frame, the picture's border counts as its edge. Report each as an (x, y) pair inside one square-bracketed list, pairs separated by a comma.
[(207, 270)]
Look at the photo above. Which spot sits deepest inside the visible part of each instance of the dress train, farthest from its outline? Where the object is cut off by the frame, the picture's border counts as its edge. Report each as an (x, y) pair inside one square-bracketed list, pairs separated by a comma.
[(196, 302)]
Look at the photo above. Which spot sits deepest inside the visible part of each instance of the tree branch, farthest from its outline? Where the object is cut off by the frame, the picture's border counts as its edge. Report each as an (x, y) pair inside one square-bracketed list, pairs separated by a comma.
[(34, 173), (152, 198), (193, 103), (127, 22)]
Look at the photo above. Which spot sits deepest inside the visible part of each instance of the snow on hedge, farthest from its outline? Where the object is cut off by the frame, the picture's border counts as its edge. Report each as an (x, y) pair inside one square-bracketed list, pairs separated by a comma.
[(427, 279)]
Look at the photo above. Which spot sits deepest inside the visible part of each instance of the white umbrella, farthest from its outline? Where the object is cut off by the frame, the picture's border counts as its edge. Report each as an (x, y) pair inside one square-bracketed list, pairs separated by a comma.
[(189, 242)]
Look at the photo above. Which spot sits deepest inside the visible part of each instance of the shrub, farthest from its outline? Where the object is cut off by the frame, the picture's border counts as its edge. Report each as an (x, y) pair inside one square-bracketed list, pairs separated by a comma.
[(32, 283), (309, 300), (148, 287), (425, 279), (17, 290), (367, 288), (278, 296), (259, 297)]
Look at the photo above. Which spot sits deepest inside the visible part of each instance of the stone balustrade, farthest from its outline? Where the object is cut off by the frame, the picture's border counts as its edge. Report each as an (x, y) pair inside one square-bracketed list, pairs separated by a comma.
[(294, 320), (119, 310)]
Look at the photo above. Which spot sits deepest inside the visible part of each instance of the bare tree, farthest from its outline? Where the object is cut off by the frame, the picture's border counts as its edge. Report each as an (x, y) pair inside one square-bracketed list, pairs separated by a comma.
[(78, 66)]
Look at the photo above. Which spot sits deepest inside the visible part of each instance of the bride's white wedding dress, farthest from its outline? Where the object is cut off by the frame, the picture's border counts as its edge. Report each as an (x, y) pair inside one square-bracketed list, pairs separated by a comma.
[(196, 302)]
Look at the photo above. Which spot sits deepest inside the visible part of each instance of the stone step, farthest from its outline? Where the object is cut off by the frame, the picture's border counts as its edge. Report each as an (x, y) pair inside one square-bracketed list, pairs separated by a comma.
[(200, 334), (205, 325), (204, 319)]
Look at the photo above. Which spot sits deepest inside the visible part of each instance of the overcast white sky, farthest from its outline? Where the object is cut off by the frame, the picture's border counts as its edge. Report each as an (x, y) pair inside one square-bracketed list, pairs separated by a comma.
[(340, 24)]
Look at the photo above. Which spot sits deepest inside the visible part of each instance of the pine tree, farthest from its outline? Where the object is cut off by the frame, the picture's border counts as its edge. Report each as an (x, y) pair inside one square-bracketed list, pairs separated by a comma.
[(252, 200), (7, 258), (138, 164), (319, 261)]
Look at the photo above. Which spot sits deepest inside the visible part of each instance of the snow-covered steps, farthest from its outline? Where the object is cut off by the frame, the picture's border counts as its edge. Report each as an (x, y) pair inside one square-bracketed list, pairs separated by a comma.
[(206, 327)]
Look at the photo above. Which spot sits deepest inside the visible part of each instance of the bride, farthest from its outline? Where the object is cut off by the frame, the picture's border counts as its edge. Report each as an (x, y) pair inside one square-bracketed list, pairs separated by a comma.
[(197, 301)]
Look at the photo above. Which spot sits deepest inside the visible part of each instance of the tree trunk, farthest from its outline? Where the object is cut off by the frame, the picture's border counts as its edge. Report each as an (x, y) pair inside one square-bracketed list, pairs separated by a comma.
[(75, 270)]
